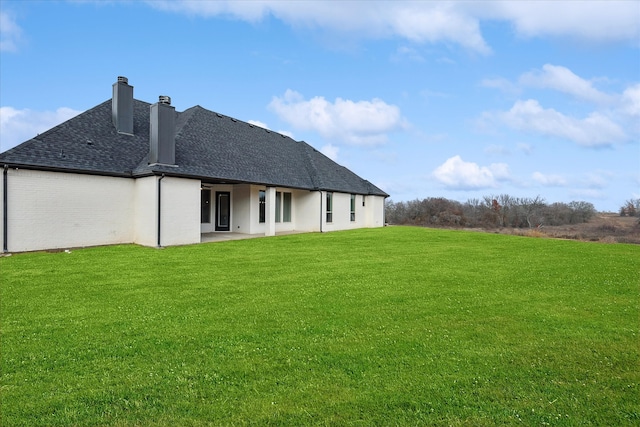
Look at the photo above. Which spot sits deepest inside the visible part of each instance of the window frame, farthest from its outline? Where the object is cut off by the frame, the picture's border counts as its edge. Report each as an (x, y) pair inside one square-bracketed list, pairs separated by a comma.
[(262, 201), (205, 212), (278, 206), (329, 207), (286, 206), (352, 208)]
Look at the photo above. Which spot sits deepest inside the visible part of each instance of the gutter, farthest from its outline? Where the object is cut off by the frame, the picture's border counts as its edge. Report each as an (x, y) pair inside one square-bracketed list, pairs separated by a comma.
[(159, 208), (5, 209), (123, 174)]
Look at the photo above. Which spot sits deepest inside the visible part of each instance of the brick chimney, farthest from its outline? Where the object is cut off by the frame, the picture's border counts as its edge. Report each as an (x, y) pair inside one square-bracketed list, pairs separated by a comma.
[(122, 106), (162, 132)]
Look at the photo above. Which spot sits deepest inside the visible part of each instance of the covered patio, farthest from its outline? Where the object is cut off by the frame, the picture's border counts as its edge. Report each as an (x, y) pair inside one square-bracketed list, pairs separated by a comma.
[(224, 236)]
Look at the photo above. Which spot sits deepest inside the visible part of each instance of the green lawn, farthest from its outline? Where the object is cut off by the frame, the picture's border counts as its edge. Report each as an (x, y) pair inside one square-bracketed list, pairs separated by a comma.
[(393, 326)]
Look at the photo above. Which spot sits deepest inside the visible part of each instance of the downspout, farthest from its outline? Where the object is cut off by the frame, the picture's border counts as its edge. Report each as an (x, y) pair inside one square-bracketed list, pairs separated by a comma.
[(320, 191), (159, 207), (5, 209)]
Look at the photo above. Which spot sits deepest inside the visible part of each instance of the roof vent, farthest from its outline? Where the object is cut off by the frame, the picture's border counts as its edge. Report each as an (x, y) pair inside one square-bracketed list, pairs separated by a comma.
[(122, 79), (164, 99)]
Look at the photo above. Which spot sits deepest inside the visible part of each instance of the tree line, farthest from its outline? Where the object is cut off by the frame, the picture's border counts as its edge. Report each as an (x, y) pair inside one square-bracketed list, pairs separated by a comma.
[(630, 208), (491, 211)]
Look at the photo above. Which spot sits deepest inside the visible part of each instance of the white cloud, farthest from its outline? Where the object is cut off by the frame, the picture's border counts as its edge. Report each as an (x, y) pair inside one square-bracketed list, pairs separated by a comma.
[(415, 21), (595, 130), (598, 179), (286, 133), (564, 80), (608, 125), (17, 126), (354, 122), (251, 11), (456, 174), (10, 33), (331, 151), (591, 21), (432, 21), (265, 126), (258, 123), (549, 180), (631, 101)]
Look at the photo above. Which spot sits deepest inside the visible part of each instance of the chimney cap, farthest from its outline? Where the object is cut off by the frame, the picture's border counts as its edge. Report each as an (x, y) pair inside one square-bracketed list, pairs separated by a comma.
[(122, 79), (164, 99)]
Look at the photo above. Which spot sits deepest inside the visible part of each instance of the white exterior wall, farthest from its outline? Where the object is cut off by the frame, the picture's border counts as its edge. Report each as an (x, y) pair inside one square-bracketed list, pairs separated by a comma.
[(241, 214), (370, 215), (307, 210), (180, 211), (374, 211), (255, 226), (145, 219), (50, 210), (1, 211), (341, 213), (179, 216), (270, 212)]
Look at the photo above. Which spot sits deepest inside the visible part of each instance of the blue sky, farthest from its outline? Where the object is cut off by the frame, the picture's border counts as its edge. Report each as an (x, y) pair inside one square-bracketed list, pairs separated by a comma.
[(425, 99)]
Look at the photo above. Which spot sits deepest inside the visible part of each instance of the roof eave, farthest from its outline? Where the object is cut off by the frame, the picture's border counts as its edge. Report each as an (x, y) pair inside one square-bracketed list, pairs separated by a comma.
[(44, 168)]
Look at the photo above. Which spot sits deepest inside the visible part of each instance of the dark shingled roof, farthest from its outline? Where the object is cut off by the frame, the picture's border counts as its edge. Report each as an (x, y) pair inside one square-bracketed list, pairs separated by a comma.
[(209, 146)]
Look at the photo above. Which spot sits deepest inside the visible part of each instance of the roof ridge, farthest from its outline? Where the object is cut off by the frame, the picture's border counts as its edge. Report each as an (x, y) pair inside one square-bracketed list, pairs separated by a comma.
[(310, 164), (185, 117)]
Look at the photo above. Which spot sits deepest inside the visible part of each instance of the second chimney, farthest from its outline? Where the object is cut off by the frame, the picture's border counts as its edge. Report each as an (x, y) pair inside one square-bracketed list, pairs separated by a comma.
[(122, 106), (162, 129)]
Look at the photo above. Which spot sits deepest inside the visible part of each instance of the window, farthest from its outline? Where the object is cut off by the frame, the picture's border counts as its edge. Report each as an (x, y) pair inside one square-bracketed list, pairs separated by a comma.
[(278, 203), (205, 206), (286, 207), (261, 201), (353, 207), (329, 206), (363, 200), (283, 206)]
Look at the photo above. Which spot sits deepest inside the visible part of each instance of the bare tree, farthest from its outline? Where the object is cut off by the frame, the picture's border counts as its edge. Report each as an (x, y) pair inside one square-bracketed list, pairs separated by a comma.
[(532, 209), (582, 211), (492, 211)]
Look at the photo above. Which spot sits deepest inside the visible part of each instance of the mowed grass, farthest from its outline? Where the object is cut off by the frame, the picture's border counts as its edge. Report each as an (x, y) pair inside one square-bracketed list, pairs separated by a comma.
[(394, 326)]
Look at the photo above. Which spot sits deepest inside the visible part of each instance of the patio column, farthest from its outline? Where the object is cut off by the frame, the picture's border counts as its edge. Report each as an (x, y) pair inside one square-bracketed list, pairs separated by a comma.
[(270, 212)]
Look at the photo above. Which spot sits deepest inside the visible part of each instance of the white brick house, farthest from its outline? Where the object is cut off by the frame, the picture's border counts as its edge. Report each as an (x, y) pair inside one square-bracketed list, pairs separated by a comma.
[(126, 171)]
